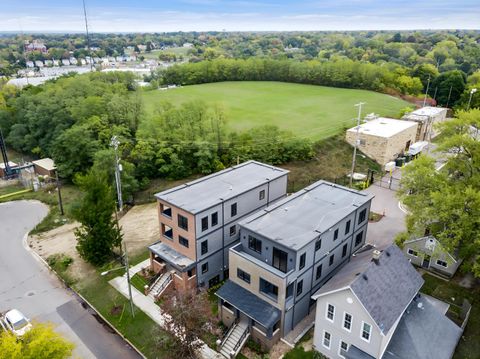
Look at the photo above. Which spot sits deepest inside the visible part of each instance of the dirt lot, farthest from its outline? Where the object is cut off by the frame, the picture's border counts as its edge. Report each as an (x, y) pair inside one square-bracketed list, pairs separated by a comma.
[(139, 227)]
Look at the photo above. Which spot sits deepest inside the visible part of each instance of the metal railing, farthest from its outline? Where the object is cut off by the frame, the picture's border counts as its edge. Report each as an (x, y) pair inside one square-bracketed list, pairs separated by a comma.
[(163, 285), (242, 337), (227, 332)]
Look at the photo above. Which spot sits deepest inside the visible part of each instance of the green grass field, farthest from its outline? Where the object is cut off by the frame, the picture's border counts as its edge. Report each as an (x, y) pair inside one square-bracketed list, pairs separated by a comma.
[(309, 111)]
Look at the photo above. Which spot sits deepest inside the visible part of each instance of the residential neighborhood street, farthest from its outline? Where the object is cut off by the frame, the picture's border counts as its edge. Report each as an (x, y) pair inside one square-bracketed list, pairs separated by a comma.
[(27, 285)]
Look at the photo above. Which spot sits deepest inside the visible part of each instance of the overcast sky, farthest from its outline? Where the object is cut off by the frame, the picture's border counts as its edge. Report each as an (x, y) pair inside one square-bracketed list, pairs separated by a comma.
[(234, 15)]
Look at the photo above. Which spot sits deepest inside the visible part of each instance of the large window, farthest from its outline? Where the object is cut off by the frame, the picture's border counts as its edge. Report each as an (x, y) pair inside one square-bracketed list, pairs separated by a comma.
[(204, 268), (326, 339), (268, 288), (183, 241), (233, 210), (302, 260), (167, 231), (289, 290), (362, 216), (347, 321), (204, 247), (331, 259), (166, 211), (358, 238), (335, 235), (214, 219), (318, 244), (261, 195), (344, 250), (204, 223), (299, 287), (330, 312), (318, 273), (233, 230), (243, 275), (442, 263), (347, 227), (366, 331), (342, 350), (254, 244), (280, 259), (183, 222), (412, 252)]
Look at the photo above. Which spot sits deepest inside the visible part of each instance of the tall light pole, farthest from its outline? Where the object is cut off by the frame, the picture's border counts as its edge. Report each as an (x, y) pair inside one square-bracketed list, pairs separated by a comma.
[(472, 91), (426, 92), (114, 143), (359, 105)]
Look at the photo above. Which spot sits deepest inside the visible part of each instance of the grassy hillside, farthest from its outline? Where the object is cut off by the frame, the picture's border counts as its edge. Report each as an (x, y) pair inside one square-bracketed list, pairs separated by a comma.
[(309, 111)]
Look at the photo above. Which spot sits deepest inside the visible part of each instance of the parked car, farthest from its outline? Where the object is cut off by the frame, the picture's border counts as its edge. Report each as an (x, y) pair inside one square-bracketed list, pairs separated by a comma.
[(16, 322)]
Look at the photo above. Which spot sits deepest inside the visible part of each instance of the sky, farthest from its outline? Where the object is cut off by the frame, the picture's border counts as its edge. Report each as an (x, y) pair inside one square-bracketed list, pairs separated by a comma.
[(237, 15)]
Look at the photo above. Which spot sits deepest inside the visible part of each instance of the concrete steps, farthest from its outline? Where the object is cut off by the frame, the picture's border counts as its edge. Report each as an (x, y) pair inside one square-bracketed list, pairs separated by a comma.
[(233, 338)]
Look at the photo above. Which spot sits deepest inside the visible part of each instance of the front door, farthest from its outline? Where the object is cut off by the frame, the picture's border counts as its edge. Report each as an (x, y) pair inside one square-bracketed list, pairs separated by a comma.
[(426, 261)]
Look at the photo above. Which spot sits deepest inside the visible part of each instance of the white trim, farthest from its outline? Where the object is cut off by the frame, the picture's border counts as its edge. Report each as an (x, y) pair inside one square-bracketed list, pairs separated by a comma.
[(316, 296), (340, 348), (351, 322), (326, 313), (369, 333), (411, 254), (329, 340), (441, 265)]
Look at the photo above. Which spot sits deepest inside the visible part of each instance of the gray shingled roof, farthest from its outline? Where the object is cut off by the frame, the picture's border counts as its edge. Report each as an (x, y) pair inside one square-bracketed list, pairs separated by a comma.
[(423, 332), (207, 191), (298, 219), (249, 304), (385, 289)]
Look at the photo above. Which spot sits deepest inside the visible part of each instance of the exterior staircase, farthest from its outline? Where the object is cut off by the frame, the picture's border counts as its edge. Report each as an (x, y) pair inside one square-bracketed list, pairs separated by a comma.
[(234, 340), (160, 285)]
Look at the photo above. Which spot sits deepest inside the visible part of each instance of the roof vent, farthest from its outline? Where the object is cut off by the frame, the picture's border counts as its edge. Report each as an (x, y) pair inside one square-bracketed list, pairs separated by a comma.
[(365, 277), (387, 253), (420, 305), (376, 256)]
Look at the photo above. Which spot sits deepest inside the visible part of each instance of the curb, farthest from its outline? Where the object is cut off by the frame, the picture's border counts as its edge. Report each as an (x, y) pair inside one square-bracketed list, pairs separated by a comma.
[(44, 262)]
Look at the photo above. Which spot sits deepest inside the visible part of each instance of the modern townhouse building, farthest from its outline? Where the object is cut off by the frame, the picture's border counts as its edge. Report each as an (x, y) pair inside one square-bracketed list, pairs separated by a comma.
[(372, 309), (199, 221), (286, 252)]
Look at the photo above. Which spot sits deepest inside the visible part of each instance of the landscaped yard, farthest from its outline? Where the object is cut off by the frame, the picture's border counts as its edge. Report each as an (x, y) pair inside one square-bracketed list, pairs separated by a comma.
[(309, 111)]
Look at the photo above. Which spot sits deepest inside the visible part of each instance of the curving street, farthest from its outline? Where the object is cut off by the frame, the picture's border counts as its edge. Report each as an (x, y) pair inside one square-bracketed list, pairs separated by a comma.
[(26, 284)]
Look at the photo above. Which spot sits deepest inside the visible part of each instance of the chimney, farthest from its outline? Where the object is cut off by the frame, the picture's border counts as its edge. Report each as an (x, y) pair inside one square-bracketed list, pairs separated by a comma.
[(376, 256)]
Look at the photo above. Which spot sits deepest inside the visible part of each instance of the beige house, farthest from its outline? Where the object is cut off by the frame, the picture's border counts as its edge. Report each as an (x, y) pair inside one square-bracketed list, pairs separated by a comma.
[(383, 139), (427, 118)]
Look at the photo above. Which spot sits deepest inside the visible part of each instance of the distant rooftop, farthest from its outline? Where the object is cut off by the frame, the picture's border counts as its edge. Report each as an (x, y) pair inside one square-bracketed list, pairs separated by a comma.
[(207, 191), (383, 127), (298, 219), (46, 163), (422, 114)]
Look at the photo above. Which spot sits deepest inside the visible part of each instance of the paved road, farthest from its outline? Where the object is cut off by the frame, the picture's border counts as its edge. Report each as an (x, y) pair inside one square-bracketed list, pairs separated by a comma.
[(27, 285)]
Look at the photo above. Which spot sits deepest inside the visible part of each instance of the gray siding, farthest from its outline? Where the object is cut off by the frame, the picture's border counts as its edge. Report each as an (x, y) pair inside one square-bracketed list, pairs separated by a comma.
[(215, 267)]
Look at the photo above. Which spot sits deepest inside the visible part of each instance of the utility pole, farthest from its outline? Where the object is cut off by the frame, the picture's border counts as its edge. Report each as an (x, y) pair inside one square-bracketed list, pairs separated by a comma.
[(472, 91), (426, 92), (128, 281), (114, 143), (88, 35), (60, 203), (359, 105), (449, 94)]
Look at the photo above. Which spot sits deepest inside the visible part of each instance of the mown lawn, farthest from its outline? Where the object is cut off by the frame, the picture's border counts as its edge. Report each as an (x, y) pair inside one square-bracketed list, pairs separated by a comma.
[(309, 111)]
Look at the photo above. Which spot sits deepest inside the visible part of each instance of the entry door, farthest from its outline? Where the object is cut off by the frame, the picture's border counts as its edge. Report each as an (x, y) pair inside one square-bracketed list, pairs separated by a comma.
[(426, 261)]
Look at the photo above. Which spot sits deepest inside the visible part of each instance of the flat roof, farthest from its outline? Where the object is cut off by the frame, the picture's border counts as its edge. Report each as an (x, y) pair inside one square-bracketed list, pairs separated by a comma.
[(171, 256), (10, 163), (428, 111), (298, 219), (46, 163), (383, 127), (208, 191)]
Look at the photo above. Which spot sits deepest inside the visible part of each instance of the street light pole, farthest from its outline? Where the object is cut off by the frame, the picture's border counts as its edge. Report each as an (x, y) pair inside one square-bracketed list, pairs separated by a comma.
[(128, 281), (472, 91), (60, 203), (114, 143), (359, 105), (426, 92)]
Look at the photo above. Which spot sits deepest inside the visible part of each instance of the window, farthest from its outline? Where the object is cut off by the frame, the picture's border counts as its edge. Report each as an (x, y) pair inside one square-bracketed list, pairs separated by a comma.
[(358, 238), (289, 290), (214, 219), (254, 244), (233, 230), (233, 210), (366, 331), (302, 260), (342, 350), (183, 241), (204, 268), (326, 339), (318, 244), (204, 223), (347, 227), (261, 195), (204, 247), (167, 231), (299, 287), (318, 273), (183, 222), (332, 258), (347, 321), (344, 250), (166, 211), (280, 259), (335, 235), (442, 263), (362, 216), (243, 275), (330, 312), (268, 288), (412, 252)]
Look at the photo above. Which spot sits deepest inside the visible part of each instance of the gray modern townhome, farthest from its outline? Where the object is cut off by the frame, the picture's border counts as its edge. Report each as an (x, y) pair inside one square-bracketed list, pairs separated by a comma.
[(198, 222), (286, 252)]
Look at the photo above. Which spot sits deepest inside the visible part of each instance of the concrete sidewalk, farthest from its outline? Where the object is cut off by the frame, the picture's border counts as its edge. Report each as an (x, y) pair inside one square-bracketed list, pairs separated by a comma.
[(148, 306)]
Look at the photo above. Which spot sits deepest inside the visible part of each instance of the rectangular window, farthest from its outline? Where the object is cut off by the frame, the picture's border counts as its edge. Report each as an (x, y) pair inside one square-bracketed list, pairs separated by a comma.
[(204, 268), (318, 244), (326, 339), (204, 247), (183, 241), (362, 216), (442, 263), (412, 252), (330, 312), (347, 227), (289, 290), (261, 195), (233, 230), (268, 288), (332, 258), (342, 350), (166, 211), (204, 223), (366, 331), (243, 275), (318, 273), (214, 219), (347, 322), (299, 287), (344, 250), (302, 260), (358, 238), (233, 210), (279, 260), (167, 231), (183, 222), (335, 235), (254, 244)]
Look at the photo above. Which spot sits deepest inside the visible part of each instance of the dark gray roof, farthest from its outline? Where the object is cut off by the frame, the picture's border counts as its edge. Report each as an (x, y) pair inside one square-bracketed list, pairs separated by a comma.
[(249, 304), (171, 256), (384, 289), (354, 353), (207, 191), (298, 219), (423, 332)]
